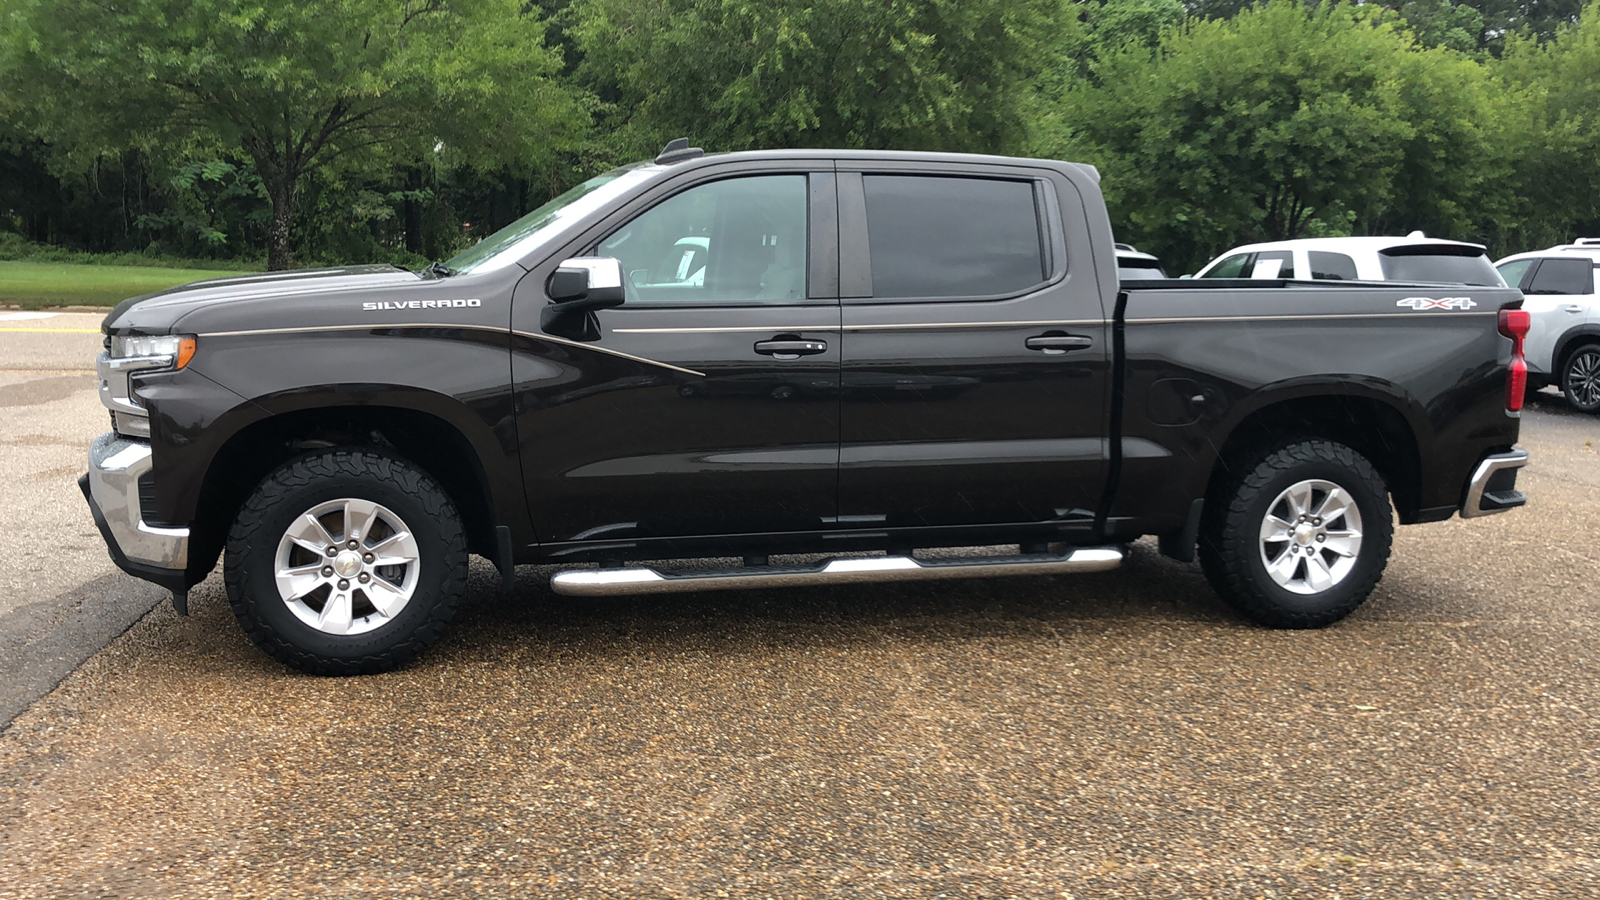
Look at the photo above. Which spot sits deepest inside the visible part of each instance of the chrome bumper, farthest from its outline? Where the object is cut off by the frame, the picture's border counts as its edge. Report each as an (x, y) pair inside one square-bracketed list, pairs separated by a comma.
[(115, 464), (1487, 494)]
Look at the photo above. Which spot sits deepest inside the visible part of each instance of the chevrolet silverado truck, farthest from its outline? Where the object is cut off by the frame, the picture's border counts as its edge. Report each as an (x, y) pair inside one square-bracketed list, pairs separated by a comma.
[(786, 368)]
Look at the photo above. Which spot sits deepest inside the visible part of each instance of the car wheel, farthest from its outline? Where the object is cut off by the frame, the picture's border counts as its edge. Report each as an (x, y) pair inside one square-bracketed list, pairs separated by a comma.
[(1580, 378), (346, 562), (1300, 537)]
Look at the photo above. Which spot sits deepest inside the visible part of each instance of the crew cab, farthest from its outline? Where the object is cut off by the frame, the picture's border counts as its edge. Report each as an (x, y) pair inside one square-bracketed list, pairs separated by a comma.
[(682, 373)]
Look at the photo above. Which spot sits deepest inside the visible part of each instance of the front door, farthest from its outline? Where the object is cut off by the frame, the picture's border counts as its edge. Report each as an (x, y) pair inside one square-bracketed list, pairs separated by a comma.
[(976, 353), (706, 404)]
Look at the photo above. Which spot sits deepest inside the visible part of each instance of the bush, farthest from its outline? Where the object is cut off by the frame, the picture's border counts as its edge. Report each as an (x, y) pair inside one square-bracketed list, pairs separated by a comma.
[(15, 247)]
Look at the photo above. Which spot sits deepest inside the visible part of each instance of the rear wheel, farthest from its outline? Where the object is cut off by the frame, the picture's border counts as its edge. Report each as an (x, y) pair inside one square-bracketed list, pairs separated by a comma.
[(346, 562), (1301, 537), (1580, 378)]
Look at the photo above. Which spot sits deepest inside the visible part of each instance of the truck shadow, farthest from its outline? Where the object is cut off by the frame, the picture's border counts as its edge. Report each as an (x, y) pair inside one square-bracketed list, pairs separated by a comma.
[(1147, 588)]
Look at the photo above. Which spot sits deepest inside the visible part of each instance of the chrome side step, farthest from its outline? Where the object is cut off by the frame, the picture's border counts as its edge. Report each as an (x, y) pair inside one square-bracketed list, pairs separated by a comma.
[(644, 580)]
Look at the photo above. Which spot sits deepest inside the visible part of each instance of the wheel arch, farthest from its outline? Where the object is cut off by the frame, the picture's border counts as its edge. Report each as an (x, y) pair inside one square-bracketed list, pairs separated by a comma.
[(1376, 420), (450, 453), (1571, 340)]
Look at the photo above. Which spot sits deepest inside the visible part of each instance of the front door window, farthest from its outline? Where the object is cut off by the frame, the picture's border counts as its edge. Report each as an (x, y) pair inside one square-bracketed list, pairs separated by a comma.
[(738, 240)]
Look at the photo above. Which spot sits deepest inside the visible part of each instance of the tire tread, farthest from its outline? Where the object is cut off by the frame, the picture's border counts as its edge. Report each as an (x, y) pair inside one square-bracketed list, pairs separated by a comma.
[(303, 472), (1229, 535)]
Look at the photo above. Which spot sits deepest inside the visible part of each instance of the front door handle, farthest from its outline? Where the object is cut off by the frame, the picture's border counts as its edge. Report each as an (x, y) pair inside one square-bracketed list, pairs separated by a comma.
[(1056, 344), (786, 347)]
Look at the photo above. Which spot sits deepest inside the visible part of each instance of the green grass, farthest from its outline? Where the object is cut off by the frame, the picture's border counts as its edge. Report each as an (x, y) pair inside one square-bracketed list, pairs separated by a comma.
[(33, 285)]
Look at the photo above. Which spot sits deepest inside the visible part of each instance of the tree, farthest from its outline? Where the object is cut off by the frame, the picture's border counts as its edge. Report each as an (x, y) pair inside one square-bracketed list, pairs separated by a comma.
[(739, 74), (294, 84), (1282, 122), (1554, 87)]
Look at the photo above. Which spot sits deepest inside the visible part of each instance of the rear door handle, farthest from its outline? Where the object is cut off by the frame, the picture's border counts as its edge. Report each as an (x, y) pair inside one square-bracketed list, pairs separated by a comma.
[(1055, 344), (1574, 308), (790, 348)]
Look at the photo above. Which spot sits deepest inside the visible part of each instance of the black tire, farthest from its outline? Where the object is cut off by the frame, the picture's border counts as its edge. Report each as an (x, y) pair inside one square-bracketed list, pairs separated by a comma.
[(1580, 378), (1231, 544), (300, 485)]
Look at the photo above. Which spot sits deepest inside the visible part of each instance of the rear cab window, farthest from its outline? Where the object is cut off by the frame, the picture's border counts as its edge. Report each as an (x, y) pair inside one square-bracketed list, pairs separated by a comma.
[(937, 236), (1439, 264)]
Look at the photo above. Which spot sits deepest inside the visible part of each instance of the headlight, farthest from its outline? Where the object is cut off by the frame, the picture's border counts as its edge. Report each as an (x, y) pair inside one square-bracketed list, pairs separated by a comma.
[(175, 349)]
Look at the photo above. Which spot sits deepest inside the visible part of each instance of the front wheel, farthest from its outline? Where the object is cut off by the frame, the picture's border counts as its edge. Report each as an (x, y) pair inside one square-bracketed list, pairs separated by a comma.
[(1301, 537), (1580, 378), (346, 562)]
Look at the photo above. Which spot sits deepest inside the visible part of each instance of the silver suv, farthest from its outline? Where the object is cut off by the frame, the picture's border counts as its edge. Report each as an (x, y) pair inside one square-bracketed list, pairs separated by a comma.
[(1563, 344)]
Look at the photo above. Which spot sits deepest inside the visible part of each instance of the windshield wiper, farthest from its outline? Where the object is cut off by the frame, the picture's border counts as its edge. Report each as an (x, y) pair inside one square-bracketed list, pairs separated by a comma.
[(439, 269)]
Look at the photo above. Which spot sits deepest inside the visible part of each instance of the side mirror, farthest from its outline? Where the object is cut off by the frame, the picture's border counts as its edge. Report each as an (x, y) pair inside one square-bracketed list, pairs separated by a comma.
[(585, 283)]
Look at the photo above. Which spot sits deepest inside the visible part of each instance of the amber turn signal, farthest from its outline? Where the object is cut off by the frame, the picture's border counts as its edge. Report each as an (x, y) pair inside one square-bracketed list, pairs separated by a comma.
[(185, 352)]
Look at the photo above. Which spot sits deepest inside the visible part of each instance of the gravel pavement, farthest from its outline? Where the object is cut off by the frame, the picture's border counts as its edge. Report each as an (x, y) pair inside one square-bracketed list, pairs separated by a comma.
[(1117, 734)]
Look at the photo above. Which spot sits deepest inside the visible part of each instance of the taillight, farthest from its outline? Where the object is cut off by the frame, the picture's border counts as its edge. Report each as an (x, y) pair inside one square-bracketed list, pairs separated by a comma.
[(1514, 324)]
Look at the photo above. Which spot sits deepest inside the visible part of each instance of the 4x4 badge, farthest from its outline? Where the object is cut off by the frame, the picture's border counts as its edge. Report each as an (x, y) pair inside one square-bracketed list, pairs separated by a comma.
[(1441, 303)]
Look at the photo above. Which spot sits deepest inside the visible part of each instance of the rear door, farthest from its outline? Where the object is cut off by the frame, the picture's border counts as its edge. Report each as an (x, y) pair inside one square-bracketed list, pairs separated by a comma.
[(976, 351), (1559, 294)]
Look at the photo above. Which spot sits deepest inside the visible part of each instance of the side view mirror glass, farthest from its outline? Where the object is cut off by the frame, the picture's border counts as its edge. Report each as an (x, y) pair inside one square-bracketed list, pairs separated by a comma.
[(586, 283)]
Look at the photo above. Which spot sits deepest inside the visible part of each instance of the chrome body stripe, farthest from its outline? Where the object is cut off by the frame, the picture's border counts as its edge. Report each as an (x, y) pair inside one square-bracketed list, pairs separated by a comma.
[(653, 362), (375, 326), (1174, 320), (730, 329)]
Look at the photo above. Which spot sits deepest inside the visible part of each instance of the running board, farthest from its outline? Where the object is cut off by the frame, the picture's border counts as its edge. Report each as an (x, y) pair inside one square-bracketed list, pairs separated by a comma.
[(643, 580)]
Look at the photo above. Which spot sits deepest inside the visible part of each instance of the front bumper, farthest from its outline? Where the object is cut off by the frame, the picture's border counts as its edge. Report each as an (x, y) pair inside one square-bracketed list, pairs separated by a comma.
[(1493, 488), (158, 554)]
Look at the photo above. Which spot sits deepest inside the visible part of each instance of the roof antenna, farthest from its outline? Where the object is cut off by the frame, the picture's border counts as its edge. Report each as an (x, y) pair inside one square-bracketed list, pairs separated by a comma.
[(678, 150)]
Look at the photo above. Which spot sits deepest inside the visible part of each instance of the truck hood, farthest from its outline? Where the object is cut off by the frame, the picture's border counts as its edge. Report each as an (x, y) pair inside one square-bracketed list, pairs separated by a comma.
[(158, 312)]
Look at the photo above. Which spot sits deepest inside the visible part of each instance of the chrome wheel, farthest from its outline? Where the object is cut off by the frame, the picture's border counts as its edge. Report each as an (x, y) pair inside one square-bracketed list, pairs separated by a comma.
[(1311, 536), (1582, 381), (347, 566)]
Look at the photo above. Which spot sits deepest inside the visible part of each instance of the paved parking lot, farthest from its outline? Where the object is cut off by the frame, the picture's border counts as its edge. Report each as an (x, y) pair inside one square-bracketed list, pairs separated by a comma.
[(61, 599), (1109, 734)]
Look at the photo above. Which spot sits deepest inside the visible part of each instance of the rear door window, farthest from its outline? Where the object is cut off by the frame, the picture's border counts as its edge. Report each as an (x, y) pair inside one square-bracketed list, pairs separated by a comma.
[(931, 236), (1563, 276), (1438, 266), (1329, 266)]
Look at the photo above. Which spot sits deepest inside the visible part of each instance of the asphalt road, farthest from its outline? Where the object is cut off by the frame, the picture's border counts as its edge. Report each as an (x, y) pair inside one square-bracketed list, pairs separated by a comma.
[(1114, 734), (62, 599)]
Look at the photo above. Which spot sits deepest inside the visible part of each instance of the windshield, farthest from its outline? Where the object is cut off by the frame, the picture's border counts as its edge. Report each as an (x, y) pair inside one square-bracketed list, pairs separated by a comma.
[(526, 234)]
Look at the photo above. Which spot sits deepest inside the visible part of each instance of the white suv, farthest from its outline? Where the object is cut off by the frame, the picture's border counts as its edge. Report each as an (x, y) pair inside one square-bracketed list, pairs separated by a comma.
[(1415, 257), (1563, 344)]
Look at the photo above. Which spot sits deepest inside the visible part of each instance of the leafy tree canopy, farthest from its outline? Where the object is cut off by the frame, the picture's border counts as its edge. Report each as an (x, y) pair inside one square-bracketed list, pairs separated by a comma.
[(1281, 122), (293, 84), (738, 74)]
